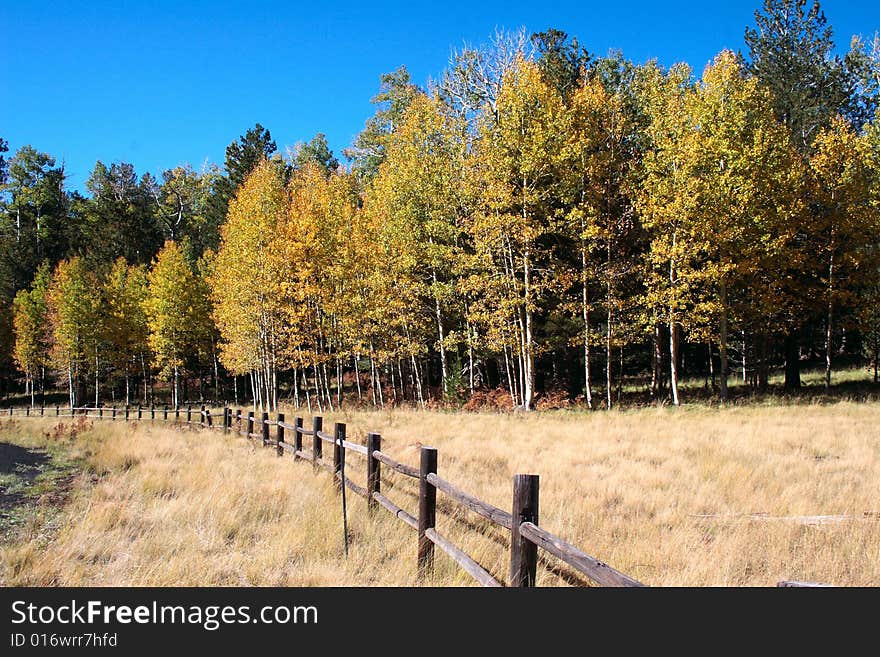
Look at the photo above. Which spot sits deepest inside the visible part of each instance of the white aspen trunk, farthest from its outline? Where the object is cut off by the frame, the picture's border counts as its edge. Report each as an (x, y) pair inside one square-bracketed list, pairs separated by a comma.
[(339, 381), (722, 343), (585, 312), (744, 356), (402, 381), (235, 387), (176, 395), (318, 402), (418, 374), (608, 335), (97, 380), (673, 332), (828, 330), (470, 357), (373, 377), (216, 377), (144, 374), (128, 388), (327, 386), (357, 376), (296, 387), (70, 386), (305, 381), (378, 386), (439, 316), (393, 384)]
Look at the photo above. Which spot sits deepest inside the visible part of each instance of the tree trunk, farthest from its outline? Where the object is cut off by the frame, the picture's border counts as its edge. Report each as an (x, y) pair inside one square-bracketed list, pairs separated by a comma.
[(70, 386), (829, 324), (673, 360), (357, 376), (585, 312), (722, 344), (439, 317), (792, 360)]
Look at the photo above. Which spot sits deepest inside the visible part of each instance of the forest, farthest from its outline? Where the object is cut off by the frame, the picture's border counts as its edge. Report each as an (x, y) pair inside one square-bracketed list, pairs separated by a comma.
[(539, 225)]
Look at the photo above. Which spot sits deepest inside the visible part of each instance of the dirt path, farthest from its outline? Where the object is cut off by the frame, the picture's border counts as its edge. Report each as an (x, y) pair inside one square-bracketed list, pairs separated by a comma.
[(34, 486)]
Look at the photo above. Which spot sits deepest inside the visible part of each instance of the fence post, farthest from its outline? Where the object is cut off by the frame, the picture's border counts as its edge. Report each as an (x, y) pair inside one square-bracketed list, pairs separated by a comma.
[(114, 414), (374, 473), (57, 410), (250, 424), (279, 435), (176, 411), (240, 417), (523, 553), (165, 411), (189, 410), (42, 409), (427, 509), (126, 412), (140, 412), (338, 454), (27, 411), (100, 412), (225, 418), (317, 446), (297, 438), (152, 411), (209, 418), (202, 415), (265, 428)]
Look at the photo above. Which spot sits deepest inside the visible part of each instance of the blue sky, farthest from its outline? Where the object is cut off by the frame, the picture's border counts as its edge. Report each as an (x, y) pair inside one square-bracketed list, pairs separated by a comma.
[(161, 83)]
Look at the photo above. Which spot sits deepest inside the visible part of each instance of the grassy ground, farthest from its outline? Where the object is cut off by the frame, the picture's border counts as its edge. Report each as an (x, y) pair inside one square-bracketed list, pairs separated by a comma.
[(693, 496)]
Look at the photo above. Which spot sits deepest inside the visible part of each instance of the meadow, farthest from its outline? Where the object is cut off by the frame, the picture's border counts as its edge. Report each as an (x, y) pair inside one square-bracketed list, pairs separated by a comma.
[(695, 496)]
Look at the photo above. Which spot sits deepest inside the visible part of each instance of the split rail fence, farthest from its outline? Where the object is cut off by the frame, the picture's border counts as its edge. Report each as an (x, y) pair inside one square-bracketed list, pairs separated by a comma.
[(526, 536)]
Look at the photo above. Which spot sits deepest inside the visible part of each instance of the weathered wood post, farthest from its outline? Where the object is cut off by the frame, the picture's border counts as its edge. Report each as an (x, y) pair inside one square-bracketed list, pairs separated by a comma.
[(127, 409), (165, 412), (374, 472), (140, 412), (100, 412), (240, 418), (189, 410), (42, 409), (317, 447), (523, 553), (338, 453), (226, 422), (27, 411), (297, 438), (57, 410), (114, 414), (265, 428), (209, 418), (250, 424), (427, 509), (176, 412), (279, 435), (152, 411)]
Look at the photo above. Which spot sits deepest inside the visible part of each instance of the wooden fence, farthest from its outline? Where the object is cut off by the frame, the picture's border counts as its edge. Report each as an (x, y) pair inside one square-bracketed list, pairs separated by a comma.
[(526, 536)]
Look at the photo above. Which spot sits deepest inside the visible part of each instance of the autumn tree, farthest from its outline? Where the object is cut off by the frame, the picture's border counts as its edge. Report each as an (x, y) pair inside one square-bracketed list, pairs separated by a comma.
[(127, 330), (176, 307), (33, 331), (516, 165), (248, 279), (76, 316)]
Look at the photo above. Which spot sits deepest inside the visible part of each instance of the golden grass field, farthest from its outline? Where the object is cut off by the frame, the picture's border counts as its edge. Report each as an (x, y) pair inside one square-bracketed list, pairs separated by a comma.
[(694, 496)]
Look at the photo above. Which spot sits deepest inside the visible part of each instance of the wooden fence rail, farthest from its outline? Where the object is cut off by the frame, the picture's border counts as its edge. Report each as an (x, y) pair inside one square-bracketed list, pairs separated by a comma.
[(526, 536)]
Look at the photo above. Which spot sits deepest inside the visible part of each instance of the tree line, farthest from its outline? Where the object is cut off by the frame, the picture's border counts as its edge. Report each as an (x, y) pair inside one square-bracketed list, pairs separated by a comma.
[(539, 220)]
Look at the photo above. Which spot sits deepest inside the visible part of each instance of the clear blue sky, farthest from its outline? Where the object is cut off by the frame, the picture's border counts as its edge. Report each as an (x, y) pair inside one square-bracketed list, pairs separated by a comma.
[(160, 83)]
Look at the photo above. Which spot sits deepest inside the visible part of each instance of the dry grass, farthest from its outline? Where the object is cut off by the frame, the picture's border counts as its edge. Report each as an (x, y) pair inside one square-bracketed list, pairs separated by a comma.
[(632, 488)]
